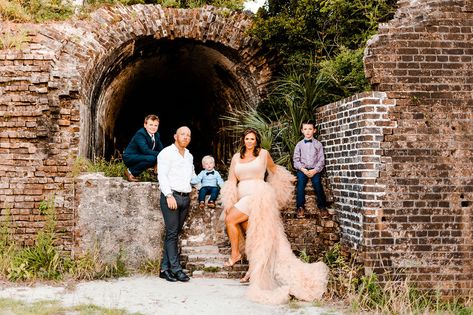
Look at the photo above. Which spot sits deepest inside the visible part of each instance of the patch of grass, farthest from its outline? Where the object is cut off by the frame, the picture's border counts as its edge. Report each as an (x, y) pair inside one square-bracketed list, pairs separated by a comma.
[(211, 269), (364, 293), (43, 260), (12, 10), (344, 274), (113, 168), (303, 256), (151, 266), (15, 307), (13, 40)]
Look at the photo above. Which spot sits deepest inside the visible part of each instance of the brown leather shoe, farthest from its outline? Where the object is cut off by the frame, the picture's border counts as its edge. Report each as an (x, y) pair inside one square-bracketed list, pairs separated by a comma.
[(300, 213), (130, 176), (155, 169), (211, 204), (201, 205)]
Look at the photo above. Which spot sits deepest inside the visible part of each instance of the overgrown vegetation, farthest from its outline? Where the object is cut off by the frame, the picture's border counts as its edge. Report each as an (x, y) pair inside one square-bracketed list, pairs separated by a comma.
[(365, 294), (43, 260), (328, 34), (292, 100), (55, 10), (112, 168), (35, 10)]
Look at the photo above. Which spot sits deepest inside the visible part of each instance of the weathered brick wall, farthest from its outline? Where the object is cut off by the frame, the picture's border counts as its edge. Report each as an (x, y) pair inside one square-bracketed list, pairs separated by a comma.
[(423, 60), (30, 141), (351, 132), (49, 89)]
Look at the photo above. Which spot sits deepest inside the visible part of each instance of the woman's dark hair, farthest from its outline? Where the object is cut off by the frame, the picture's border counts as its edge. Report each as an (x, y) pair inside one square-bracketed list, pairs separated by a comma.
[(242, 142)]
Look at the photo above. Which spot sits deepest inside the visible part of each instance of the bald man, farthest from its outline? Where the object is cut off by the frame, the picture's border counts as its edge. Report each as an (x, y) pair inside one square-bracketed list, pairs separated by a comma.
[(176, 169)]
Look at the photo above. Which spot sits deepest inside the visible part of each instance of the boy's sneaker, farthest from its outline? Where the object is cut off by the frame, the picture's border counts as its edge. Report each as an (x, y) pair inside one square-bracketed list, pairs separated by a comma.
[(211, 204), (300, 213), (202, 205)]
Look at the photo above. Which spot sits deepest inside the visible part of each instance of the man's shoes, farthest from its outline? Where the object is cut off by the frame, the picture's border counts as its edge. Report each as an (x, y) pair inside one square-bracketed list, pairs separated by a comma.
[(181, 276), (202, 205), (211, 204), (300, 213), (130, 176), (168, 275)]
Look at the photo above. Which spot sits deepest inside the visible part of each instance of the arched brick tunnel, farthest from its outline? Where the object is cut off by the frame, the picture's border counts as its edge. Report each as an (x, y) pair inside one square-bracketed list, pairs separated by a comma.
[(191, 77)]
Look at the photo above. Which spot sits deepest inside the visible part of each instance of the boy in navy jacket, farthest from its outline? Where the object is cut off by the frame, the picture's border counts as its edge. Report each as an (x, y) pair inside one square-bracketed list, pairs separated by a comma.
[(142, 151)]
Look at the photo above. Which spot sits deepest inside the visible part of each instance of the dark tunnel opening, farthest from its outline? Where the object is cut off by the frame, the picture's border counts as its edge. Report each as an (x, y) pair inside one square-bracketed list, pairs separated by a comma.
[(184, 82)]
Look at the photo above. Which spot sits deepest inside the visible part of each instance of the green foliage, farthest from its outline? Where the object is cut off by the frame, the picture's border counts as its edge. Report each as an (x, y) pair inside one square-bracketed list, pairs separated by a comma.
[(249, 117), (41, 260), (344, 274), (320, 27), (113, 168), (231, 4), (211, 269), (332, 33), (13, 11), (44, 261), (343, 75), (151, 266), (365, 294), (14, 40), (304, 257)]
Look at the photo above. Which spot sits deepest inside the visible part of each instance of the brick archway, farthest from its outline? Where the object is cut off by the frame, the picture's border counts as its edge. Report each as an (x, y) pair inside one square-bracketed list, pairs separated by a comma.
[(187, 66)]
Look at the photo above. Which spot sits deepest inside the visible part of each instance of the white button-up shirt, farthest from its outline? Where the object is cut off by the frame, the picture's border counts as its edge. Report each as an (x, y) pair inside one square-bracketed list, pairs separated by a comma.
[(174, 170)]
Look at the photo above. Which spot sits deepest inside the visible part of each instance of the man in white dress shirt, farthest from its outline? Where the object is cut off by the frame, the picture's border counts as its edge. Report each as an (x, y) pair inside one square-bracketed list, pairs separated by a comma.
[(176, 169)]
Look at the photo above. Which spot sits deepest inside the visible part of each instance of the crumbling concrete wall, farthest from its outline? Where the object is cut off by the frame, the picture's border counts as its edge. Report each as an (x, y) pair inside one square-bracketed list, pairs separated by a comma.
[(118, 218)]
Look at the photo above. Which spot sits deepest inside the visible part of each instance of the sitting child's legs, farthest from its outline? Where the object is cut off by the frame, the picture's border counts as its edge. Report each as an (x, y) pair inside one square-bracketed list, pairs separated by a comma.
[(204, 191), (138, 163), (213, 193), (319, 191), (300, 189)]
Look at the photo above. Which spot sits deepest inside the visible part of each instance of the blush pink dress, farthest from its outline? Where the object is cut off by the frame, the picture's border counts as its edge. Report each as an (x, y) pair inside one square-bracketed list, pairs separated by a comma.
[(276, 273)]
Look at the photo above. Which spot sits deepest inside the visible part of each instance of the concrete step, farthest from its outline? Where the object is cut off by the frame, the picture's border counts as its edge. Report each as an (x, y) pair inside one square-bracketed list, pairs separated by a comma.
[(207, 249), (205, 257), (215, 266), (218, 274)]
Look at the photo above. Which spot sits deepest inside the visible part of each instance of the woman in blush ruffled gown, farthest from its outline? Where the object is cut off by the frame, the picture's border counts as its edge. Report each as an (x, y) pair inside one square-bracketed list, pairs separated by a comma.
[(252, 204)]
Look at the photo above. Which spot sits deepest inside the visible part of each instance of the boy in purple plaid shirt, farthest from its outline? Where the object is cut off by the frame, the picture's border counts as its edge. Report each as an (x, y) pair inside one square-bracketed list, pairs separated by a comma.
[(309, 162)]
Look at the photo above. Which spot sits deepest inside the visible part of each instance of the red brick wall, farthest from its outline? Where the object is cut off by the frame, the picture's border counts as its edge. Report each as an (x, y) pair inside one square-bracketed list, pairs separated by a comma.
[(423, 60), (351, 132)]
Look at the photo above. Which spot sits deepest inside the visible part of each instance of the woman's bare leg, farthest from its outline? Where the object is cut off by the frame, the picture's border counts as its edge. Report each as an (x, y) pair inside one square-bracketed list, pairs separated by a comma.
[(244, 226), (232, 219)]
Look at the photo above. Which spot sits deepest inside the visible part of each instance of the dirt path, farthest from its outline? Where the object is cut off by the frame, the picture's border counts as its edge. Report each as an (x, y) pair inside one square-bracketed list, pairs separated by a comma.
[(151, 295)]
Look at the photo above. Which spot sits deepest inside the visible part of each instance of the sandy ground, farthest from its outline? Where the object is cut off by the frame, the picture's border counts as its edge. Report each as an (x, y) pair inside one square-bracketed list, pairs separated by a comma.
[(151, 295)]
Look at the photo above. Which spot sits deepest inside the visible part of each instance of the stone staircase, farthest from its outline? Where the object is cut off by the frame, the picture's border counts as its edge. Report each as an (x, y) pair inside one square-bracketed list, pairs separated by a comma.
[(207, 261), (205, 246)]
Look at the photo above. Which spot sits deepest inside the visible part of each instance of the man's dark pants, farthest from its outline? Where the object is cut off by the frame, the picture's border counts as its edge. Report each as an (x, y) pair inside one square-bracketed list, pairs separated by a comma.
[(316, 183), (137, 163), (208, 190), (173, 220)]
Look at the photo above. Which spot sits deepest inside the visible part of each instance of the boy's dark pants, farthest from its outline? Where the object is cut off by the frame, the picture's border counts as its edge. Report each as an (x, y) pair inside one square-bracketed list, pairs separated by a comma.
[(208, 190), (137, 163), (316, 183), (173, 221)]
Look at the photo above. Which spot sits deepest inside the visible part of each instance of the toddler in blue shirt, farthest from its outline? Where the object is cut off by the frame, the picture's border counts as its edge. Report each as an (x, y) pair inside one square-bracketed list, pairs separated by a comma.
[(209, 181)]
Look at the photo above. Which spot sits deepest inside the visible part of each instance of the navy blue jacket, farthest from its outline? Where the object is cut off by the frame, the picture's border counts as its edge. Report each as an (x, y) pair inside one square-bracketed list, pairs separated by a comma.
[(141, 144)]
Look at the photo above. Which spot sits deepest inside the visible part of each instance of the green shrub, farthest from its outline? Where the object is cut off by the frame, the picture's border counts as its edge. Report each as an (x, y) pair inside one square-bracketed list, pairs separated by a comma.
[(12, 10)]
